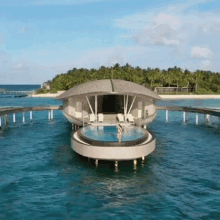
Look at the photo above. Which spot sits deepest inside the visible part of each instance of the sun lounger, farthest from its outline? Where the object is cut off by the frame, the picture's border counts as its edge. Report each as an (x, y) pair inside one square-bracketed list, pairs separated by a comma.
[(91, 117), (130, 118), (100, 117), (120, 117)]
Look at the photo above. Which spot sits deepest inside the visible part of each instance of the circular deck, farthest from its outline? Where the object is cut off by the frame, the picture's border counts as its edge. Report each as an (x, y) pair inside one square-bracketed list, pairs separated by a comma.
[(135, 143), (108, 135)]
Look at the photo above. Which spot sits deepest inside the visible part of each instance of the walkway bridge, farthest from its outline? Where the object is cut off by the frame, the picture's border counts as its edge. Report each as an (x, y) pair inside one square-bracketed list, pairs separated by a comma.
[(16, 93), (207, 112)]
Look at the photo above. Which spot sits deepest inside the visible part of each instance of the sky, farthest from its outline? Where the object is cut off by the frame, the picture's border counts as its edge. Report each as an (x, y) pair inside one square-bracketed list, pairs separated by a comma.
[(42, 38)]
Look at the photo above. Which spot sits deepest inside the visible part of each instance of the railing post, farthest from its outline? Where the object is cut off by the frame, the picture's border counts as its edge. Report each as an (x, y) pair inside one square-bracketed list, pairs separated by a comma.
[(167, 117)]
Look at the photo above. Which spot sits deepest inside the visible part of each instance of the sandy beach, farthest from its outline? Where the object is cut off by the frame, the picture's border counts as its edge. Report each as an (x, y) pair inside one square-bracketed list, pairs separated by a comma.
[(190, 96), (54, 95)]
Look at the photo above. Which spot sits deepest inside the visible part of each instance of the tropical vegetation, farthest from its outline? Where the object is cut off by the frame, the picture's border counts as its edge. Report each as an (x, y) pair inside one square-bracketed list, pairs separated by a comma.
[(201, 82)]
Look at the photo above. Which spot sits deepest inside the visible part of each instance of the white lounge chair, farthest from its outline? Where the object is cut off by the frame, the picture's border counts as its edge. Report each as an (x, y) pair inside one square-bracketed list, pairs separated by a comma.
[(101, 117), (91, 117), (130, 118), (121, 117)]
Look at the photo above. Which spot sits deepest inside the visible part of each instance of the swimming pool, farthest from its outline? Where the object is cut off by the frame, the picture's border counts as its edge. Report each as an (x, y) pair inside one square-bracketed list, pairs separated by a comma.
[(108, 135)]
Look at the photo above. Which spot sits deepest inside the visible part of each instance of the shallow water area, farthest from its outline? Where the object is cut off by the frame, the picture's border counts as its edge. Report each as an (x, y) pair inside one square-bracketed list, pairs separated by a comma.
[(42, 178)]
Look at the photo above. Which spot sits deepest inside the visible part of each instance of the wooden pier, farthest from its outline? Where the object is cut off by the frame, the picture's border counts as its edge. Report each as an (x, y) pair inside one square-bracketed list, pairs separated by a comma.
[(5, 111)]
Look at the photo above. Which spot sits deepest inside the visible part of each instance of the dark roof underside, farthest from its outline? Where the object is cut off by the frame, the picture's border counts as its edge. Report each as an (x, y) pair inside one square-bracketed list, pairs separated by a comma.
[(109, 86)]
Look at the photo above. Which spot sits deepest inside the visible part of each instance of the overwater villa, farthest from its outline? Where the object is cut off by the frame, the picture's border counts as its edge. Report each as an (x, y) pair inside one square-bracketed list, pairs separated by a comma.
[(111, 117)]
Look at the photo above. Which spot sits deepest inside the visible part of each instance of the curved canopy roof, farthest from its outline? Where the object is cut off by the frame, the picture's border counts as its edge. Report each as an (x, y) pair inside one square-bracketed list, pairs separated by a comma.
[(109, 87)]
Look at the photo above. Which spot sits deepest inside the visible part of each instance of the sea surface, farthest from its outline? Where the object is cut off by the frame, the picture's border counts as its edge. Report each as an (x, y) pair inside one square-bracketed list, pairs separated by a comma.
[(20, 87), (42, 178)]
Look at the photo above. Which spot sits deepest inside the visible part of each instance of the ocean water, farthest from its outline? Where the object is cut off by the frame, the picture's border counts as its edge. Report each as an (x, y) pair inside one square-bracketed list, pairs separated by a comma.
[(42, 178), (20, 87)]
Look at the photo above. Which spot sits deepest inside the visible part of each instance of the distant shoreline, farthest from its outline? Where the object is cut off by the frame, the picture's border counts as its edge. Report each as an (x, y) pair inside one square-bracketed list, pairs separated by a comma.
[(212, 96)]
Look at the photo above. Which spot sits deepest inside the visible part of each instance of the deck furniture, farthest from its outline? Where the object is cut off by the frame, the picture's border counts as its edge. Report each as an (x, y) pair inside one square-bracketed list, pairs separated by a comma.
[(120, 117), (130, 118), (91, 117), (100, 117)]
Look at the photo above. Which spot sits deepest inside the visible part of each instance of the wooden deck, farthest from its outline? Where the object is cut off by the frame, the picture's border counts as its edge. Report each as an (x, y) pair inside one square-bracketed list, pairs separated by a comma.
[(11, 110)]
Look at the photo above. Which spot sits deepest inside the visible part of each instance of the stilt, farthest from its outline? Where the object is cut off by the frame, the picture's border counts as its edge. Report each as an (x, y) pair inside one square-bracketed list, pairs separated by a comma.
[(31, 118), (142, 162), (197, 118), (23, 119), (14, 117), (167, 117), (207, 118), (145, 127), (135, 164), (0, 122), (116, 166), (184, 117), (96, 163), (51, 114), (6, 119)]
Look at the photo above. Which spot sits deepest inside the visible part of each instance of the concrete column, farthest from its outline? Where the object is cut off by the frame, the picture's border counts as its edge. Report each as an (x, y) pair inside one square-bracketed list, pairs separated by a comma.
[(96, 163), (31, 118), (23, 119), (197, 118), (6, 119), (207, 118), (184, 117), (14, 118), (135, 164), (116, 166), (51, 114), (167, 117)]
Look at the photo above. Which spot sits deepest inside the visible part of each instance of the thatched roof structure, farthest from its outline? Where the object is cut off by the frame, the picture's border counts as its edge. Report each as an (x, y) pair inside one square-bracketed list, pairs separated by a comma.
[(109, 87)]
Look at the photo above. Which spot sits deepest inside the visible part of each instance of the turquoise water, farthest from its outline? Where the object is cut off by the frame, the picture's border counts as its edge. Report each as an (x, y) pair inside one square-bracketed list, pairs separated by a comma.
[(110, 133), (42, 178)]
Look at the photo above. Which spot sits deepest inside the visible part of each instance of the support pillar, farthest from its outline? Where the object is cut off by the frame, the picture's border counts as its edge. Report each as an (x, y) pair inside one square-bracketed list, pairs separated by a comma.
[(6, 119), (197, 118), (96, 163), (184, 117), (51, 114), (23, 119), (31, 118), (135, 164), (207, 118), (145, 127), (167, 116), (0, 122), (14, 120), (116, 166)]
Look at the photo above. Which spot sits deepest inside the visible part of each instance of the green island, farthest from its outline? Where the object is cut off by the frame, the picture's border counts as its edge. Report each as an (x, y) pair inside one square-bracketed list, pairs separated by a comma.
[(198, 82)]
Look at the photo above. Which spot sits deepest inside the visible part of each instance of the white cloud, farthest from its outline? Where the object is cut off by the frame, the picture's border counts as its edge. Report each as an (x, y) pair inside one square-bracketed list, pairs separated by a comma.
[(202, 52)]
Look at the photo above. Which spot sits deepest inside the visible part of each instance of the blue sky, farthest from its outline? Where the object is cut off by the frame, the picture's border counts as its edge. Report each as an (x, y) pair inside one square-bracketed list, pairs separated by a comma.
[(42, 38)]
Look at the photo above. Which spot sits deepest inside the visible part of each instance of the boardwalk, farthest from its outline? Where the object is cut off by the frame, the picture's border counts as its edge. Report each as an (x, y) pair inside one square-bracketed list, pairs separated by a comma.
[(207, 111), (11, 110)]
